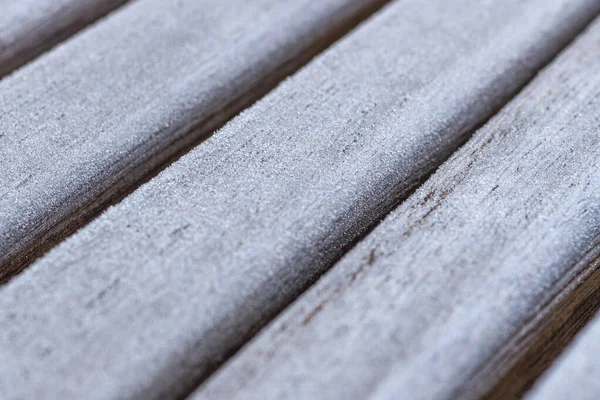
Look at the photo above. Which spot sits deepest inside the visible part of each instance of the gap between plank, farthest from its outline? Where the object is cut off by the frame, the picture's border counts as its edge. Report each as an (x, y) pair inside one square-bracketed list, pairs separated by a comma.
[(543, 339), (28, 53)]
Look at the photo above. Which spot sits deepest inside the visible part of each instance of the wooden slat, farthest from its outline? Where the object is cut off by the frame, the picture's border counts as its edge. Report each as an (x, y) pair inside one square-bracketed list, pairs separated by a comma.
[(148, 299), (575, 375), (86, 123), (30, 27), (463, 290)]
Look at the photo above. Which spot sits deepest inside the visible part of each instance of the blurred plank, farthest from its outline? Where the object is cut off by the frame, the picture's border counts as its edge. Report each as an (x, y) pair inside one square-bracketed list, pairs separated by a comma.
[(457, 291), (82, 126), (575, 374), (30, 27), (151, 297)]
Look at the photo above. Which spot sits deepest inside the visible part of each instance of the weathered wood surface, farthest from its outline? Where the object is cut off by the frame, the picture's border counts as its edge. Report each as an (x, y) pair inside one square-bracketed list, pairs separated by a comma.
[(466, 281), (86, 123), (30, 27), (148, 299), (576, 374)]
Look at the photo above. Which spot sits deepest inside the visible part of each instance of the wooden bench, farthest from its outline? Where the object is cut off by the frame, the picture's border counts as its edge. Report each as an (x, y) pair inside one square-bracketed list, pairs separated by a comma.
[(316, 216)]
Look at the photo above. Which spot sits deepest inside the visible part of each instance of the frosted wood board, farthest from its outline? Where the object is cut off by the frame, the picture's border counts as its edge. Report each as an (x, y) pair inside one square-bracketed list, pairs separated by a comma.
[(575, 374), (88, 121), (464, 277), (153, 295), (30, 27)]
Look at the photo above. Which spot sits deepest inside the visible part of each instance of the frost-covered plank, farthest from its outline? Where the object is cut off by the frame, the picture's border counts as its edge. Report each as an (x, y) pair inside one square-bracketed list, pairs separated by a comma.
[(467, 286), (152, 296), (87, 122), (30, 27), (575, 375)]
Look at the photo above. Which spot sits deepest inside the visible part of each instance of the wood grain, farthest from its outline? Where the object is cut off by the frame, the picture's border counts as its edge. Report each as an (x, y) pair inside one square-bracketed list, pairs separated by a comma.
[(156, 293), (94, 118), (489, 259)]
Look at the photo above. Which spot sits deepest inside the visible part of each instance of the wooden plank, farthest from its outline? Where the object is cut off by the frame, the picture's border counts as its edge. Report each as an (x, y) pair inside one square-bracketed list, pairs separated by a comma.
[(575, 374), (455, 294), (149, 298), (30, 27), (84, 125)]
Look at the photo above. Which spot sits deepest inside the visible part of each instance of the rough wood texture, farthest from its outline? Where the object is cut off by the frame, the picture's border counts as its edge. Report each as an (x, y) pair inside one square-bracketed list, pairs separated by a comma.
[(148, 299), (87, 122), (30, 27), (575, 374), (444, 296)]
